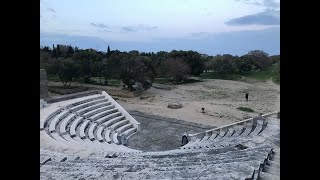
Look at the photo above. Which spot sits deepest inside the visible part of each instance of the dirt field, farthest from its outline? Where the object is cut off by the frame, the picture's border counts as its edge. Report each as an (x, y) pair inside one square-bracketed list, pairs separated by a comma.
[(220, 98)]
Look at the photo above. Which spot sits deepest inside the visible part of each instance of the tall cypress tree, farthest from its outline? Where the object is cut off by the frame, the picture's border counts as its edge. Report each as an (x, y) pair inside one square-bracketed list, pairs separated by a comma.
[(108, 51)]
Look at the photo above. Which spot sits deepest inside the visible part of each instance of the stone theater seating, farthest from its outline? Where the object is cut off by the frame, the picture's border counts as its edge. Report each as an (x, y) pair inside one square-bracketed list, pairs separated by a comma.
[(84, 138)]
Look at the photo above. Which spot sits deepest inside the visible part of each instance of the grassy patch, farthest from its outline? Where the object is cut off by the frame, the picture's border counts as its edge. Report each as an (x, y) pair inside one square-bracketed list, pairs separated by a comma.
[(53, 78), (263, 75), (214, 75), (245, 109), (161, 80), (270, 72), (111, 82)]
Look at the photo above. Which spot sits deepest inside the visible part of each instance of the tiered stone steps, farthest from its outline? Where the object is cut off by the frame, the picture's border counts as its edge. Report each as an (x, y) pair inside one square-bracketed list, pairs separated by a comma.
[(82, 139), (81, 124)]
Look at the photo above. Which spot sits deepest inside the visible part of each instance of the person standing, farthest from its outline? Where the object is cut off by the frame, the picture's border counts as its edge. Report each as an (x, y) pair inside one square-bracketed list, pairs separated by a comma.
[(184, 139), (247, 95)]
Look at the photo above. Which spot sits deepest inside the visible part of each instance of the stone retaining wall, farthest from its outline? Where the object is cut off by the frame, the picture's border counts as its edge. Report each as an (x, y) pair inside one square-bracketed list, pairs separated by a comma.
[(43, 84)]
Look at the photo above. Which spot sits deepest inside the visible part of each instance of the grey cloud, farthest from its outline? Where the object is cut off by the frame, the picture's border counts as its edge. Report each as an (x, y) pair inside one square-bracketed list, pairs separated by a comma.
[(138, 28), (269, 17), (98, 25), (265, 3), (51, 10), (128, 29)]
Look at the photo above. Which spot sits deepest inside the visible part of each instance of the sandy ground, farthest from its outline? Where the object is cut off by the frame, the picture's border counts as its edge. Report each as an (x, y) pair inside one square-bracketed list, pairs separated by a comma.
[(220, 98)]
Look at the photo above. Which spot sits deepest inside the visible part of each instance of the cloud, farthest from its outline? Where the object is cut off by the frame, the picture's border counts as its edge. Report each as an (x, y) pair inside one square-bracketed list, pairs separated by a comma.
[(46, 13), (97, 25), (269, 17), (51, 10), (273, 4), (128, 29), (138, 28)]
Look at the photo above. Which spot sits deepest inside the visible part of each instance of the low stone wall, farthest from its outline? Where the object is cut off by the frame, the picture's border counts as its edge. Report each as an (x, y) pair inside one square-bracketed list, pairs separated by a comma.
[(123, 93), (43, 84), (71, 96)]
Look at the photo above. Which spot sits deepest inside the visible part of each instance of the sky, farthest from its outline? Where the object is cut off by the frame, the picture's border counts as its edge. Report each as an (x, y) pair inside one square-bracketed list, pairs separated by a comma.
[(207, 26)]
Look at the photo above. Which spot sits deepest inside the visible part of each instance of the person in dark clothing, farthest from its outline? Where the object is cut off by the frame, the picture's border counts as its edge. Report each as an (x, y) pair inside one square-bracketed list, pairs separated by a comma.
[(247, 95), (184, 139)]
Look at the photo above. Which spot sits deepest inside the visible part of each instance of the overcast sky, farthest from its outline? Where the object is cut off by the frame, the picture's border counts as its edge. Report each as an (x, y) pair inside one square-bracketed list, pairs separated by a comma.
[(207, 26)]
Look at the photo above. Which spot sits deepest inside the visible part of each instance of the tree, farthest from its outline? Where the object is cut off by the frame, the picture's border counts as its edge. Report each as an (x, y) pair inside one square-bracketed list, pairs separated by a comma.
[(68, 70), (192, 58), (175, 69), (98, 70), (54, 52), (85, 59), (70, 51), (259, 58), (224, 64), (243, 64), (136, 69), (275, 59), (108, 52)]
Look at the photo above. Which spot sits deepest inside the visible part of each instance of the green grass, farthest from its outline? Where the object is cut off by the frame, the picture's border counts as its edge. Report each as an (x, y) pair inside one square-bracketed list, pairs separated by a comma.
[(245, 109), (266, 74), (111, 82), (214, 75), (270, 72), (53, 78), (161, 80)]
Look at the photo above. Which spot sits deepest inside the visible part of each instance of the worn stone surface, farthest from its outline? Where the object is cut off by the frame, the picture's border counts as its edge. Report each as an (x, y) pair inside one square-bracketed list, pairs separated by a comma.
[(43, 84), (161, 133)]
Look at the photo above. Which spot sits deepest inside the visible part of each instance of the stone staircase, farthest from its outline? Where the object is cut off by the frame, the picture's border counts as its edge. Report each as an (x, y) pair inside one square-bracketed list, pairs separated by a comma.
[(94, 123), (227, 163), (272, 169)]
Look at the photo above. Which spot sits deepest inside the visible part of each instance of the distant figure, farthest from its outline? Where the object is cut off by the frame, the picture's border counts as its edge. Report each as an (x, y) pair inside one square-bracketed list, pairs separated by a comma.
[(202, 110), (247, 94), (184, 139)]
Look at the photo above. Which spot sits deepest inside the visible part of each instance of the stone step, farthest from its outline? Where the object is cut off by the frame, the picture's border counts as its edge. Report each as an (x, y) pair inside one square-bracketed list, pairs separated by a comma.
[(274, 164), (124, 127), (53, 123), (129, 131), (112, 113), (93, 107), (91, 114), (64, 123), (239, 169), (272, 170), (112, 121), (87, 104), (74, 125), (267, 176), (95, 97), (119, 124), (101, 113)]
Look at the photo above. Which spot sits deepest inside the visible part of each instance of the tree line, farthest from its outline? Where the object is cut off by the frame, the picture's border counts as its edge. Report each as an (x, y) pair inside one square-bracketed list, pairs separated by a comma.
[(139, 69)]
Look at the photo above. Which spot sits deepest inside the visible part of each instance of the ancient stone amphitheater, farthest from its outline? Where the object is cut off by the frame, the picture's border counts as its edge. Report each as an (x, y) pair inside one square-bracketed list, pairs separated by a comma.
[(85, 138)]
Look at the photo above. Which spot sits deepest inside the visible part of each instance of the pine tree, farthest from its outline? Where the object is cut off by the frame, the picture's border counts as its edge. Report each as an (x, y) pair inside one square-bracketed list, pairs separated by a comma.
[(108, 51)]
